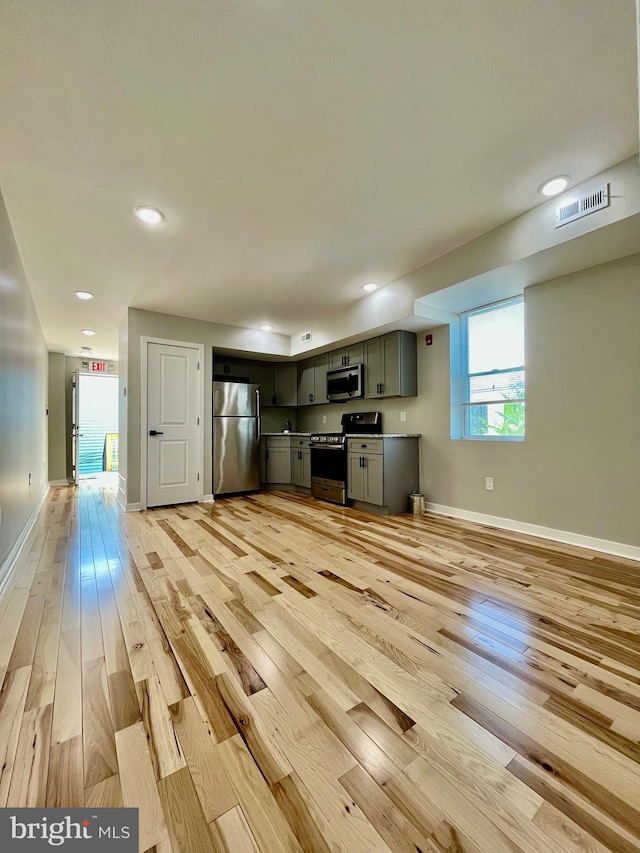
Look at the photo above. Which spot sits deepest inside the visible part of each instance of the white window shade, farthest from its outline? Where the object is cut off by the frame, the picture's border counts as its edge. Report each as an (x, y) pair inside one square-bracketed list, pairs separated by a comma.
[(493, 348)]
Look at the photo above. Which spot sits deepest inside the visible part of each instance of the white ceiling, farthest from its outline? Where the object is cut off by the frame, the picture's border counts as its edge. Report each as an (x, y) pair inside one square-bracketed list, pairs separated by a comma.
[(298, 148)]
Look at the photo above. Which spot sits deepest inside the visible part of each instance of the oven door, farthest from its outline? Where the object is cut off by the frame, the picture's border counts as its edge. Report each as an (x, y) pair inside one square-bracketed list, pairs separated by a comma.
[(329, 473)]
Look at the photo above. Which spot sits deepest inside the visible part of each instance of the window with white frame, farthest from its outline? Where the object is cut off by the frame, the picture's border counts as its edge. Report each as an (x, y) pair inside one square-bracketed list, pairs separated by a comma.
[(494, 372)]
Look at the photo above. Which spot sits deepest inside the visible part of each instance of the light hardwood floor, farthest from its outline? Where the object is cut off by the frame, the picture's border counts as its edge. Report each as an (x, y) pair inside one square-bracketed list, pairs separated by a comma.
[(273, 673)]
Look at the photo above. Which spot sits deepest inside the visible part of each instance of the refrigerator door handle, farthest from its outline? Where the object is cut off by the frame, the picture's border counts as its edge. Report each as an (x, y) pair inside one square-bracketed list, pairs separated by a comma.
[(259, 431)]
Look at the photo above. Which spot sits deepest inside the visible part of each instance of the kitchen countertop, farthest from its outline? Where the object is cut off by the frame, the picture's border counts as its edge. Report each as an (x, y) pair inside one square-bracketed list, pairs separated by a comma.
[(358, 435), (383, 435), (285, 433)]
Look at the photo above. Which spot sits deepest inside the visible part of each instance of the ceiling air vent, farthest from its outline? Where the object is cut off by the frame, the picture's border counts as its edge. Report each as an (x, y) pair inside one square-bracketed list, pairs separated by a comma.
[(305, 337), (584, 204)]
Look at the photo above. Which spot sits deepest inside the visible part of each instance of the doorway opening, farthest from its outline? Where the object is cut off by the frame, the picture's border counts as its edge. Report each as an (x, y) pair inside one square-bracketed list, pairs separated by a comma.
[(98, 426)]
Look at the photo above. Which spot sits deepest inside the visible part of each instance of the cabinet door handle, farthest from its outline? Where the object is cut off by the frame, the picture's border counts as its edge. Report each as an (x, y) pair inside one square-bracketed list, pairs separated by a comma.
[(364, 461)]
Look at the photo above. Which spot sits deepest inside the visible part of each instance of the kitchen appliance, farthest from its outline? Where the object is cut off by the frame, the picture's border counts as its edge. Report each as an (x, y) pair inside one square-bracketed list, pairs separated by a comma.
[(236, 437), (345, 383), (329, 455)]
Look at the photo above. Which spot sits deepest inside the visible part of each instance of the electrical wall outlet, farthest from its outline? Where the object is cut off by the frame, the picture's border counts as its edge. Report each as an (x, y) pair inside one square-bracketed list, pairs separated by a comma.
[(324, 419), (488, 483), (403, 416)]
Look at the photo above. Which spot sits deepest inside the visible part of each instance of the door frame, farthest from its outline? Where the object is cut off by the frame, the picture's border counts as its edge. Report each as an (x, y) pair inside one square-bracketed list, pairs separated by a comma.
[(144, 438)]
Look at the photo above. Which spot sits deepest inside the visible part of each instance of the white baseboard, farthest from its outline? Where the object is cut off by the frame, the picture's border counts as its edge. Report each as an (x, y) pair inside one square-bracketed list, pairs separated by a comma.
[(618, 549), (135, 507), (9, 563), (207, 499), (55, 484)]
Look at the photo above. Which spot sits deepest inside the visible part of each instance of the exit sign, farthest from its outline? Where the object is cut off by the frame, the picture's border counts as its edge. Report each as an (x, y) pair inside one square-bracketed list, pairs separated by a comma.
[(99, 366)]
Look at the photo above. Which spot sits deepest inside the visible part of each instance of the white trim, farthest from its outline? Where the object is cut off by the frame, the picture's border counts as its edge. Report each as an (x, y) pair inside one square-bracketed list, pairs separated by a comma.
[(207, 499), (618, 549), (128, 507), (56, 484), (144, 341), (11, 560)]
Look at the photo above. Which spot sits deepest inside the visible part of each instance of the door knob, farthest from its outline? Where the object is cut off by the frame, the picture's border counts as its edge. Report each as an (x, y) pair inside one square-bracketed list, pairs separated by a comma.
[(155, 432)]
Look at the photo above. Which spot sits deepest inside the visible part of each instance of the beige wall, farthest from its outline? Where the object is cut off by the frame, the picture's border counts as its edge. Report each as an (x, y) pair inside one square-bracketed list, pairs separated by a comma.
[(524, 251), (167, 327), (23, 392), (57, 418), (123, 407), (579, 468)]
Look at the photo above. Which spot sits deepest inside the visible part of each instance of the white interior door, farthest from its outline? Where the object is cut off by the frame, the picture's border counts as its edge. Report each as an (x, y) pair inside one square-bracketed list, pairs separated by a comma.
[(172, 424)]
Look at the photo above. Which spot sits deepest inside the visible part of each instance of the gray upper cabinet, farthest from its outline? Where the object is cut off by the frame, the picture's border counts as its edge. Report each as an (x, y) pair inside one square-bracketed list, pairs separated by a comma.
[(262, 373), (286, 384), (390, 366), (306, 382), (320, 365), (230, 369), (353, 354), (312, 380)]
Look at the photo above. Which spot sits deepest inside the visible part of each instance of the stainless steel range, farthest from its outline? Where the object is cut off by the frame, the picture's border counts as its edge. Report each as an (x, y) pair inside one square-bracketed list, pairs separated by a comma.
[(329, 455)]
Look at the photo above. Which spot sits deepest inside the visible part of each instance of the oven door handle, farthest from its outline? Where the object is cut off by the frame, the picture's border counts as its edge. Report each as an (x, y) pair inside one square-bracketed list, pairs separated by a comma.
[(326, 447)]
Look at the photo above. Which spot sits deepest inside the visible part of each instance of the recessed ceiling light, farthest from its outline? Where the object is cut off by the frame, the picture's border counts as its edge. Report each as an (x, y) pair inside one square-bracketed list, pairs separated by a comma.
[(266, 328), (555, 186), (84, 294), (88, 332), (149, 215), (370, 287)]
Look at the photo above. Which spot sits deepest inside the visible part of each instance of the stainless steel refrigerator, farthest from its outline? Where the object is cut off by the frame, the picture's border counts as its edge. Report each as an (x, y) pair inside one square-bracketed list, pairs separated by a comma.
[(236, 437)]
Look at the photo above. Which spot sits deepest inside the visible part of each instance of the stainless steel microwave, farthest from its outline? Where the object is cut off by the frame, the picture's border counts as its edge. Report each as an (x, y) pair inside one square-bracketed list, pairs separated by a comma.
[(345, 383)]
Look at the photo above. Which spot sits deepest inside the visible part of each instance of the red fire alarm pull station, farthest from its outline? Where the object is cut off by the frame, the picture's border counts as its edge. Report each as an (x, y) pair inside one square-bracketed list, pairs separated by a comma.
[(428, 339)]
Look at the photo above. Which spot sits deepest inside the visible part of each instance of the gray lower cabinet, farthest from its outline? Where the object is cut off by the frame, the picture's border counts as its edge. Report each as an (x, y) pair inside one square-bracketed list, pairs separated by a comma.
[(300, 462), (366, 478), (286, 460), (277, 459), (383, 472), (391, 366)]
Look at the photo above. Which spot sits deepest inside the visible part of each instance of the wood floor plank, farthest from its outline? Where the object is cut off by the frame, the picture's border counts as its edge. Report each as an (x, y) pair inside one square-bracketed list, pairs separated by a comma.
[(65, 781), (162, 741), (212, 783), (104, 795), (12, 701), (267, 823), (272, 672), (399, 833), (67, 703), (100, 760), (31, 768), (188, 828), (234, 833), (138, 781), (266, 753)]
